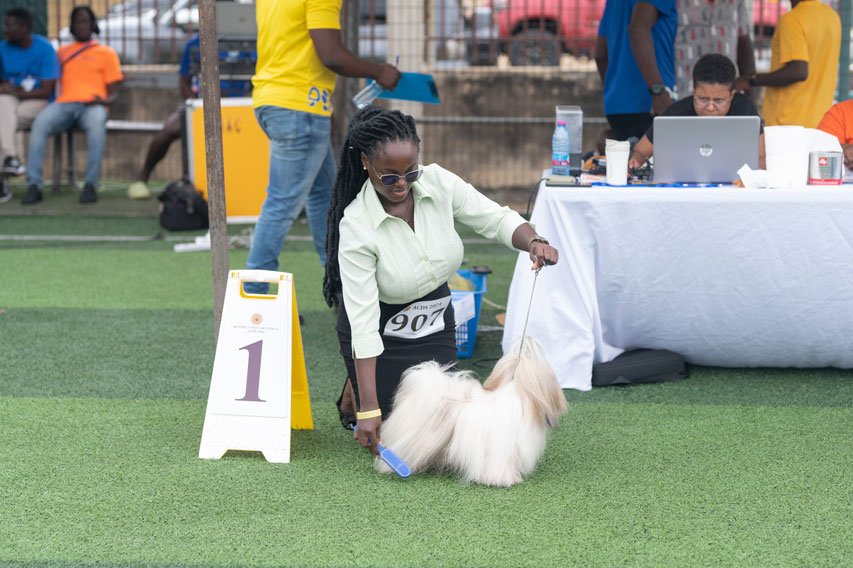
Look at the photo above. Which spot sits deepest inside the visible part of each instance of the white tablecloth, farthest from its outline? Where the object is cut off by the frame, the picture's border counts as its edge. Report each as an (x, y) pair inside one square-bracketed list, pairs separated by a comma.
[(724, 276)]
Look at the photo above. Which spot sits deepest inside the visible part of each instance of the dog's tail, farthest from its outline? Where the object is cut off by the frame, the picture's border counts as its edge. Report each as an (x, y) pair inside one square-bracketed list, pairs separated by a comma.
[(533, 379)]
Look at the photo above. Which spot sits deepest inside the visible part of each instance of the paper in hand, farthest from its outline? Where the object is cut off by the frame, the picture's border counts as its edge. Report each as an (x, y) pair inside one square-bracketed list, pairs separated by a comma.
[(418, 87)]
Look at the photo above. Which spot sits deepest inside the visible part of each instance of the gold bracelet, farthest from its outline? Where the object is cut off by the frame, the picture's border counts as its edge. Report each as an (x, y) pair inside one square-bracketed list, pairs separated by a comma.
[(368, 414)]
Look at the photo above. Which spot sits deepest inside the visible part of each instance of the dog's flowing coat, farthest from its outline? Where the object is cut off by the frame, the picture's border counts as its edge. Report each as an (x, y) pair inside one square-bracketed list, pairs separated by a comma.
[(492, 434)]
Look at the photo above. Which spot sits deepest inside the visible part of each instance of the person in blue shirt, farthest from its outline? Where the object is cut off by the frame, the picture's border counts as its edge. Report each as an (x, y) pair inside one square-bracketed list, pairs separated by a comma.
[(635, 56), (30, 69), (188, 83)]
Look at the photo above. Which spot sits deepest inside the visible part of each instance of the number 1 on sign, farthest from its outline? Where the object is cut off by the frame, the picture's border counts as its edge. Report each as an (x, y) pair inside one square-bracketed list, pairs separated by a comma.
[(253, 371)]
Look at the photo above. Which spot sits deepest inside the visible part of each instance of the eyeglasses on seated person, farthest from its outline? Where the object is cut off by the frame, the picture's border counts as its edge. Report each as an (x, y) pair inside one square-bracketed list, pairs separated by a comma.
[(707, 101)]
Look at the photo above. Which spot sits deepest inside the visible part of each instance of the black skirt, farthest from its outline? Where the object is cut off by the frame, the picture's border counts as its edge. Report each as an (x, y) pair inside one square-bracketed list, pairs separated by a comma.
[(412, 333)]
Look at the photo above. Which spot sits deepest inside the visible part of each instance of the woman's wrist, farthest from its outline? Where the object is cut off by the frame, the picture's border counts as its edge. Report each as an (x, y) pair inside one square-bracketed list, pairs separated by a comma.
[(367, 414), (536, 239)]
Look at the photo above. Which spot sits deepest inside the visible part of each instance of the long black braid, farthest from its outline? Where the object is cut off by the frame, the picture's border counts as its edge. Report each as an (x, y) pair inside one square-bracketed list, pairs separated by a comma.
[(370, 129)]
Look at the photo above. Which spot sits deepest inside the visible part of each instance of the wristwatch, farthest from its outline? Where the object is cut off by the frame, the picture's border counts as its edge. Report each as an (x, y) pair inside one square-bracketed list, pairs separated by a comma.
[(657, 89), (751, 81)]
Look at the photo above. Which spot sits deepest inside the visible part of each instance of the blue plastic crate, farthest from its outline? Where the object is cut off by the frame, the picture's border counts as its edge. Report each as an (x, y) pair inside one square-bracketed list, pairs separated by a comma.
[(466, 334)]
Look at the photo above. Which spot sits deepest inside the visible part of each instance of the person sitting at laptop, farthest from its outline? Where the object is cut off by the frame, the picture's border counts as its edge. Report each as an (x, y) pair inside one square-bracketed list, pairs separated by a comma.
[(713, 95)]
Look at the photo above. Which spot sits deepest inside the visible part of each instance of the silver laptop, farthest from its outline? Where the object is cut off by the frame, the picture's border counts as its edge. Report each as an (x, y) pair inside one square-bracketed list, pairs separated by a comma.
[(236, 20), (704, 149)]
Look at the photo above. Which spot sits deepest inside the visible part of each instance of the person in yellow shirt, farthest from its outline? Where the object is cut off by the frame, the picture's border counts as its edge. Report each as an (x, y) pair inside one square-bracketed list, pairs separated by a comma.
[(392, 246), (300, 51), (88, 84), (803, 66)]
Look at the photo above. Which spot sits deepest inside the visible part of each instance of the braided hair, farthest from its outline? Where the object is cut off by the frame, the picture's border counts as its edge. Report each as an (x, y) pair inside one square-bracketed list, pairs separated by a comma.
[(92, 18), (369, 131)]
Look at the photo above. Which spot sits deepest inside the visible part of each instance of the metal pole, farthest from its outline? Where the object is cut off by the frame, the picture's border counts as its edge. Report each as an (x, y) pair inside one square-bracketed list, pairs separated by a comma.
[(347, 86), (407, 39), (844, 59), (213, 155)]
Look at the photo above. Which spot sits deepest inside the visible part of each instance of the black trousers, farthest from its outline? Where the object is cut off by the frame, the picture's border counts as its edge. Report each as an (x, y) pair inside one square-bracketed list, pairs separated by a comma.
[(400, 353), (625, 126)]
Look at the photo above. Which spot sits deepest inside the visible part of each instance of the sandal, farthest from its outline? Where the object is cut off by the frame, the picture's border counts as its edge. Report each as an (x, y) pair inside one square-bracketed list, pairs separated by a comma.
[(346, 406)]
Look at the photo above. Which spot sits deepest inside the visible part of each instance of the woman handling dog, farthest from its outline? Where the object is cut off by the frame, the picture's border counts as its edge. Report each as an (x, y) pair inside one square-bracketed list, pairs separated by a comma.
[(391, 248)]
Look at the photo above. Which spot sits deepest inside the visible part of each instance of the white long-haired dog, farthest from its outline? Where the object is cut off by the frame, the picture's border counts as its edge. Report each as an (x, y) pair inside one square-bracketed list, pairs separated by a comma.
[(492, 434)]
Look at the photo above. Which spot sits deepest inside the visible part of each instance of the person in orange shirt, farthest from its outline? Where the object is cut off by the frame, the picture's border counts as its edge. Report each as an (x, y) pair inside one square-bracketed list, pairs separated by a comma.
[(838, 121), (88, 84)]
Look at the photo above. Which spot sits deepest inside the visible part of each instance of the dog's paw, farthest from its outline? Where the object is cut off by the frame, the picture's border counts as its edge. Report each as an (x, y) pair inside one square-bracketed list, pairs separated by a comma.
[(495, 479), (381, 466)]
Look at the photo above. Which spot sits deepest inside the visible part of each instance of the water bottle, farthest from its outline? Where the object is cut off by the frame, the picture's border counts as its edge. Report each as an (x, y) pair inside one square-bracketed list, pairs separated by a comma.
[(560, 146), (367, 95)]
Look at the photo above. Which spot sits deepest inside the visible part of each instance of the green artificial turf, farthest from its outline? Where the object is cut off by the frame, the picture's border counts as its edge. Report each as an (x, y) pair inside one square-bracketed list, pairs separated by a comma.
[(106, 351)]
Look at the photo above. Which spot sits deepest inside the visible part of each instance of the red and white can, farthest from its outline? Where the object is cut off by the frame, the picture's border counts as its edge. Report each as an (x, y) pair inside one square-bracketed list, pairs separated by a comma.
[(825, 168)]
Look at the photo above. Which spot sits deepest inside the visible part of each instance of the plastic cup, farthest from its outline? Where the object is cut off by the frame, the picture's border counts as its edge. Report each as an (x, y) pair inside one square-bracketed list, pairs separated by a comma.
[(573, 117), (616, 152)]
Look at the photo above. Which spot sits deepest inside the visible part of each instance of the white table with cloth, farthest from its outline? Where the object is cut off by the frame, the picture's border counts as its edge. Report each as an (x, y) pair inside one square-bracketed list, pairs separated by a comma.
[(724, 276)]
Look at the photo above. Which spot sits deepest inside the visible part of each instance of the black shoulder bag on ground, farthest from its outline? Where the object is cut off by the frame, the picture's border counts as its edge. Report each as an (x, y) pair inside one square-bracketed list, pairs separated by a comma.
[(640, 366), (182, 208)]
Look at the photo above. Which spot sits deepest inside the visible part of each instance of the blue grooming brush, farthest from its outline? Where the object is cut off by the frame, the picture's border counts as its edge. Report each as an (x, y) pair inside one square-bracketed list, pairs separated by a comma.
[(393, 460)]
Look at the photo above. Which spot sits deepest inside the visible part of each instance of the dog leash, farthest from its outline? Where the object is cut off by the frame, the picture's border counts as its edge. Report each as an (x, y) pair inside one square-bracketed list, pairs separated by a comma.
[(529, 305), (527, 317)]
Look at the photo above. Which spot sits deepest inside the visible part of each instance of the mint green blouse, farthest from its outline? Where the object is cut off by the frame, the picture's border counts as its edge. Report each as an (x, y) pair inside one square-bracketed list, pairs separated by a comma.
[(382, 259)]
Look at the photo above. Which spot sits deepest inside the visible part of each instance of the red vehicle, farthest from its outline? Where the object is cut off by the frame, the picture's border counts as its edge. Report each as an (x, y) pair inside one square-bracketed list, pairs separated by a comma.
[(537, 32)]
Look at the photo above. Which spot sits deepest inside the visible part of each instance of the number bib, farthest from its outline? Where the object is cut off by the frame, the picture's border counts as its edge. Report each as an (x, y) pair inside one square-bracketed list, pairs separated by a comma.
[(418, 319)]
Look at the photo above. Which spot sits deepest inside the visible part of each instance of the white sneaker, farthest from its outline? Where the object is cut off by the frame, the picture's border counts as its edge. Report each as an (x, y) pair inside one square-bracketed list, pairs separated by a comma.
[(138, 190), (13, 166)]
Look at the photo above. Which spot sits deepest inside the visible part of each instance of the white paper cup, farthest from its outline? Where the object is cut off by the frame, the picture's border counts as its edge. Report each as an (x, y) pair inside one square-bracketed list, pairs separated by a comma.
[(616, 153), (790, 169)]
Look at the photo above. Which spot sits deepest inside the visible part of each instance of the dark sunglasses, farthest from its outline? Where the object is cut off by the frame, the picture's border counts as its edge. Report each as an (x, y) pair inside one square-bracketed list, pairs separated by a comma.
[(392, 179)]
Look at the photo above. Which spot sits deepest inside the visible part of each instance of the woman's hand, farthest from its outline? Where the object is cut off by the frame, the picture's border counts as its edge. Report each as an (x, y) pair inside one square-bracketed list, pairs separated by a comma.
[(542, 254), (635, 162), (367, 433)]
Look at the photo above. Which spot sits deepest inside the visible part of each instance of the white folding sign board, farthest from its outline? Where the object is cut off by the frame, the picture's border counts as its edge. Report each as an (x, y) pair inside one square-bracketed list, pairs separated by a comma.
[(258, 388)]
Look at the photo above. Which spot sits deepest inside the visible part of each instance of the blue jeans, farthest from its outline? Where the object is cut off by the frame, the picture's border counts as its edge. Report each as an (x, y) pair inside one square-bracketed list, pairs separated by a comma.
[(59, 117), (302, 171)]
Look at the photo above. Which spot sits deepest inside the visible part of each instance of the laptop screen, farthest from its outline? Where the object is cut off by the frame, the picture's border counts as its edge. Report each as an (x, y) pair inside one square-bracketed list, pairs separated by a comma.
[(704, 149)]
